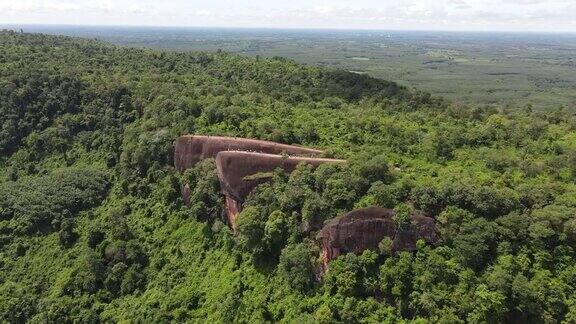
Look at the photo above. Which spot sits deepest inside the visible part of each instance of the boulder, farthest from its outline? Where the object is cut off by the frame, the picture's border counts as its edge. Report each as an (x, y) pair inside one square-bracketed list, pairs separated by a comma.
[(191, 149), (363, 229), (356, 231), (423, 227)]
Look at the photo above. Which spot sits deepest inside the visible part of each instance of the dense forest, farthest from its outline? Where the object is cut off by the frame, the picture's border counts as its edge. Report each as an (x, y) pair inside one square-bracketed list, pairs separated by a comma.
[(93, 227)]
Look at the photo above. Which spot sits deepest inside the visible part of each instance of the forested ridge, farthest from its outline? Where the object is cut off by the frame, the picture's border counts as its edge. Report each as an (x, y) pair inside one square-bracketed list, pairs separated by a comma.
[(93, 227)]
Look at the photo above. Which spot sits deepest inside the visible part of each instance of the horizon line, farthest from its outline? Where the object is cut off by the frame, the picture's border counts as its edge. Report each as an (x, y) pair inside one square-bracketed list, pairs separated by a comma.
[(511, 31)]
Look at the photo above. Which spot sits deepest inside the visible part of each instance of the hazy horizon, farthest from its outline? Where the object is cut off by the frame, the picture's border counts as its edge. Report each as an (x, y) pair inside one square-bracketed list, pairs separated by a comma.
[(410, 15), (255, 28)]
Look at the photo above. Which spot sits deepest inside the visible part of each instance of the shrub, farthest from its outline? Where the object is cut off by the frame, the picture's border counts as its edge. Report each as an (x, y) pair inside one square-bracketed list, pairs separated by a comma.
[(295, 266)]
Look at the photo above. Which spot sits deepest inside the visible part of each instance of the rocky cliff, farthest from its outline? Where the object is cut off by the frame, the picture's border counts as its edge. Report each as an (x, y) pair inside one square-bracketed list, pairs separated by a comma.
[(365, 228)]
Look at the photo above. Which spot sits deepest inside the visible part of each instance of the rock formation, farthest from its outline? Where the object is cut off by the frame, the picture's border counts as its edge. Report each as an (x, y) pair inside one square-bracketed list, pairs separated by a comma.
[(240, 172), (364, 229), (191, 149), (423, 227), (186, 192), (243, 164)]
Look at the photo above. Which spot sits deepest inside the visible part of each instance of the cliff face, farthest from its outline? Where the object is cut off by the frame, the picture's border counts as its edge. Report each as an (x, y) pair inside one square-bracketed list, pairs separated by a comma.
[(363, 229), (191, 149), (356, 231), (243, 164), (240, 172)]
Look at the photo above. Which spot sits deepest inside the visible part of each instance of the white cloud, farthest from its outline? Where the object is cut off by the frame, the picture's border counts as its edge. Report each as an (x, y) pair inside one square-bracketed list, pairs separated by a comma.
[(204, 13), (378, 14)]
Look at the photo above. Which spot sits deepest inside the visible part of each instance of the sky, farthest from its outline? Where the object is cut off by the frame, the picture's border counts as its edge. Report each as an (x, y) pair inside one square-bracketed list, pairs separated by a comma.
[(482, 15)]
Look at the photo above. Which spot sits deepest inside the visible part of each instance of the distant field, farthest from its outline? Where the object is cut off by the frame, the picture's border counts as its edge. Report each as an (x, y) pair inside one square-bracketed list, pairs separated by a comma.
[(512, 70)]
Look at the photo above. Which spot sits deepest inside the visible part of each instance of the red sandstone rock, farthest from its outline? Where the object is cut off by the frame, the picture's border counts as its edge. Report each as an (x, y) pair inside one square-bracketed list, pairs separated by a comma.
[(232, 210), (363, 229), (356, 231), (240, 172), (186, 194), (191, 149)]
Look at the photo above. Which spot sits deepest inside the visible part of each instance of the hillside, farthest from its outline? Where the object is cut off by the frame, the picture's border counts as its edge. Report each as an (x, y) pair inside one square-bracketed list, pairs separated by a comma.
[(498, 69), (93, 227)]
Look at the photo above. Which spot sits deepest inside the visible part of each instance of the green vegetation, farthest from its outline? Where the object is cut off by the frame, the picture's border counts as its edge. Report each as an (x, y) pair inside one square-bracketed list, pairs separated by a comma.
[(93, 228), (512, 70)]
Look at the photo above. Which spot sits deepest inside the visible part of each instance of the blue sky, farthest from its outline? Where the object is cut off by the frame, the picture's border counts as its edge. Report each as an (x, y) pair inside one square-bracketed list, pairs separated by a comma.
[(516, 15)]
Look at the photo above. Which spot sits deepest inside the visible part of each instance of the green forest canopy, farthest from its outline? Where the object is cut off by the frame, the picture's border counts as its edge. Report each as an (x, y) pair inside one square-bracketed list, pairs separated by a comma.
[(93, 229)]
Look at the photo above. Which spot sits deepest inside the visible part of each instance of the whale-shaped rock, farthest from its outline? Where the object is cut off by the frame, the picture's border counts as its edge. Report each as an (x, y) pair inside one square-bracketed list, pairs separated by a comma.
[(191, 149), (240, 172)]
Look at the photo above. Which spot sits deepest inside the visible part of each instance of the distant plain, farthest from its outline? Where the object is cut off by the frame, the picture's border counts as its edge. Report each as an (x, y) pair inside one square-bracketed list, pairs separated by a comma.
[(513, 70)]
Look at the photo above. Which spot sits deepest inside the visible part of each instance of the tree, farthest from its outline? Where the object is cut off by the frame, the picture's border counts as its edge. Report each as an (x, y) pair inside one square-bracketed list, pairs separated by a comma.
[(277, 230), (67, 236), (95, 236), (250, 228), (295, 266), (344, 276), (488, 306), (402, 216), (476, 242), (375, 169)]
